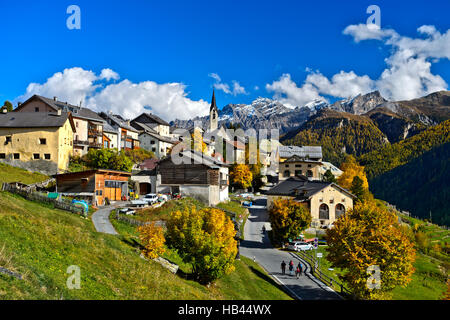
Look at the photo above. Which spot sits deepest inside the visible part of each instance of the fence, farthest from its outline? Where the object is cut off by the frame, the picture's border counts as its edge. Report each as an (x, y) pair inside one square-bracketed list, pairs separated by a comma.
[(35, 196), (137, 222), (321, 276)]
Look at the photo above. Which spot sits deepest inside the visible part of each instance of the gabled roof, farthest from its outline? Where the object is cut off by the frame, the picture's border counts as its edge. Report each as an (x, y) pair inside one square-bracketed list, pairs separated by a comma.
[(152, 118), (118, 121), (146, 129), (302, 152), (35, 120), (302, 189), (107, 128), (77, 112)]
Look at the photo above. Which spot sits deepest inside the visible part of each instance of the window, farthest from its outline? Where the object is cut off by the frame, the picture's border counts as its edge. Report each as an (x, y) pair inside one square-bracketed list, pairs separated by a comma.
[(152, 142), (36, 156), (8, 139), (36, 109), (76, 124), (2, 155), (154, 149), (309, 174), (340, 210), (47, 156), (324, 212), (16, 156), (298, 172), (42, 141), (99, 192), (298, 165), (286, 173), (309, 166)]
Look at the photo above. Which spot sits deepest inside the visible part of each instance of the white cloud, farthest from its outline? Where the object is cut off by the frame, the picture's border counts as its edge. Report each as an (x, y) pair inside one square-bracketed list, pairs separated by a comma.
[(71, 85), (287, 92), (167, 100), (238, 89), (407, 75), (362, 32), (219, 85), (109, 74)]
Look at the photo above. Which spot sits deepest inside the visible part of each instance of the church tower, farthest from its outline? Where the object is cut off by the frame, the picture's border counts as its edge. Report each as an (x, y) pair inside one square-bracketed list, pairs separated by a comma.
[(213, 114)]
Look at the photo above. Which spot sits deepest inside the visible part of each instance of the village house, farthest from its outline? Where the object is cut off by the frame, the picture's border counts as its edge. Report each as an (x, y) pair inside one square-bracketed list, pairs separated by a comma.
[(154, 134), (88, 124), (94, 185), (41, 141), (295, 161), (127, 136), (199, 176), (325, 201)]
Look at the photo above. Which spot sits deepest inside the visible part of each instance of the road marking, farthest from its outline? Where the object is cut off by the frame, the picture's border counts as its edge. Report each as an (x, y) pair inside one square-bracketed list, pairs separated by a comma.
[(296, 295)]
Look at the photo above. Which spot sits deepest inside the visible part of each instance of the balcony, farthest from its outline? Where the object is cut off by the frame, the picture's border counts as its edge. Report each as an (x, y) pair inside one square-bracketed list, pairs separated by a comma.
[(80, 143), (94, 133), (95, 145), (223, 183)]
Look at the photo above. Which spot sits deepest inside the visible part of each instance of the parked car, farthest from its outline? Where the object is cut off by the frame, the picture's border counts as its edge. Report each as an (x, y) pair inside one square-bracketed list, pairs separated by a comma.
[(163, 197), (150, 198), (300, 246), (127, 211)]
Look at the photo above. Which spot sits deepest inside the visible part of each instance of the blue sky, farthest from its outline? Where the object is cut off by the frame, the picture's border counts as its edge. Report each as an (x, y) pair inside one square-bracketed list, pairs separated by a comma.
[(253, 43)]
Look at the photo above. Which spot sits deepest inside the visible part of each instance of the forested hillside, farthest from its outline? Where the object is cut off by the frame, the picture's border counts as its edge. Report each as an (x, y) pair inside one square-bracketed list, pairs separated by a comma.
[(420, 186), (339, 133), (391, 156)]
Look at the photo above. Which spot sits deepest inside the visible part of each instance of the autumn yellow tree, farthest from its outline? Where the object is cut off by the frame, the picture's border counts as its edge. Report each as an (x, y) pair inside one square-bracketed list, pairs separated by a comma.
[(241, 176), (352, 169), (197, 142), (288, 218), (152, 239), (205, 239), (370, 236)]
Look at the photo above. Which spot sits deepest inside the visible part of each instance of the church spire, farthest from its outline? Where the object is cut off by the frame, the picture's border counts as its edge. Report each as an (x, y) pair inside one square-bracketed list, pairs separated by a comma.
[(213, 114), (213, 102)]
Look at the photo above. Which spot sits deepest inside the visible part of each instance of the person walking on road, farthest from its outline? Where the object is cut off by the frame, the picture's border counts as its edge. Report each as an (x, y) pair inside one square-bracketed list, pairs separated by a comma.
[(283, 267), (291, 267), (300, 269), (297, 272)]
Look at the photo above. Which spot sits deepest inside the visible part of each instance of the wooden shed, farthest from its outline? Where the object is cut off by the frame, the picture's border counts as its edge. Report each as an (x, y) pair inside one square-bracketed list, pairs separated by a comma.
[(94, 185)]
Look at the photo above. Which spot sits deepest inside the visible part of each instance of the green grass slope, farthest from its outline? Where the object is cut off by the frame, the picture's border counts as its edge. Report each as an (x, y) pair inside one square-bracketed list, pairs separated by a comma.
[(14, 174), (41, 243)]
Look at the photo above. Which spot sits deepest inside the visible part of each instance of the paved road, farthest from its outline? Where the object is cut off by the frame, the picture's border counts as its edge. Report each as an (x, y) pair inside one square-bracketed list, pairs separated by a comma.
[(257, 245), (100, 218)]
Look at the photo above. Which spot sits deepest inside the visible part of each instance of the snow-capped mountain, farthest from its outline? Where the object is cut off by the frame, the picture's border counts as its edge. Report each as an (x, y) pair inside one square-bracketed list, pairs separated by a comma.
[(262, 113), (265, 113)]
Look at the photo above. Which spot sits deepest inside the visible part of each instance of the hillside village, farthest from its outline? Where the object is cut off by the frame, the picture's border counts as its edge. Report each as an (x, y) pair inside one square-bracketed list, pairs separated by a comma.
[(44, 135)]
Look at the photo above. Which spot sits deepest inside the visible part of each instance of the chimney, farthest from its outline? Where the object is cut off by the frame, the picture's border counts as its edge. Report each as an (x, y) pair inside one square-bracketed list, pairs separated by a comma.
[(4, 110), (19, 104), (58, 112), (55, 98)]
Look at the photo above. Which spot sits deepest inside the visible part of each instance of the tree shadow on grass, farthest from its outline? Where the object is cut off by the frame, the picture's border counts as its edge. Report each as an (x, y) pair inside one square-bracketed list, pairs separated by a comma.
[(264, 276)]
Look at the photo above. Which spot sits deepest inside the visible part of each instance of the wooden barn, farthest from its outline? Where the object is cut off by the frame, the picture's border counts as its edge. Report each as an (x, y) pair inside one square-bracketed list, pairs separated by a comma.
[(201, 177), (94, 185)]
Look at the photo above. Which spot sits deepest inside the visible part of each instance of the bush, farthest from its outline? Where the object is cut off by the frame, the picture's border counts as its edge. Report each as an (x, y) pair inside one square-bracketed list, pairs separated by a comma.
[(152, 238), (205, 239)]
